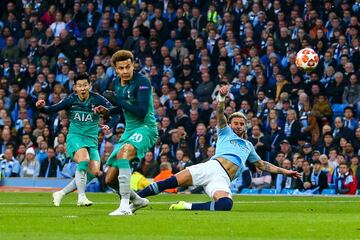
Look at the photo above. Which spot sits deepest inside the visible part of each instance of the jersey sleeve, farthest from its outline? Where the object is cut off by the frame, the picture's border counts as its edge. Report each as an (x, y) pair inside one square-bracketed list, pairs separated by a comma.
[(140, 108), (223, 131), (253, 156), (63, 104), (111, 119)]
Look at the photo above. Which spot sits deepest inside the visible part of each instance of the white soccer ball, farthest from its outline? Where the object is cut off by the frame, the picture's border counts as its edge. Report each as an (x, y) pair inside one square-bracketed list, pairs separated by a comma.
[(307, 59)]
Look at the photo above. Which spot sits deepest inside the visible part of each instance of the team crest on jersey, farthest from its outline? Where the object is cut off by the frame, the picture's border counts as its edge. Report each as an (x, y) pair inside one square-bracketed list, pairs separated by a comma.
[(83, 117)]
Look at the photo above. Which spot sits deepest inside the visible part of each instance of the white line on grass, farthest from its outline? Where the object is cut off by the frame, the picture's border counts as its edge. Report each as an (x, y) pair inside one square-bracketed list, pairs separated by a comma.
[(159, 203)]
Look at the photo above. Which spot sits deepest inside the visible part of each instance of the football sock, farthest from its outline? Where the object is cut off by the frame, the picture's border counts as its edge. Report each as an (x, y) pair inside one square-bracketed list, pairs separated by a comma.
[(124, 182), (81, 177), (223, 204), (158, 187), (72, 185)]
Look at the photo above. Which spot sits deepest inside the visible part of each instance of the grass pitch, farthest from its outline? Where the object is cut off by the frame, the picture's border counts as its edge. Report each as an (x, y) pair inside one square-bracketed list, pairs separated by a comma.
[(32, 216)]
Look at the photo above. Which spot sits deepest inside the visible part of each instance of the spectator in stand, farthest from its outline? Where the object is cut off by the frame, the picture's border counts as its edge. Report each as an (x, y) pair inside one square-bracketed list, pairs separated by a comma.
[(9, 166), (260, 179), (30, 167), (355, 168), (345, 183), (51, 167)]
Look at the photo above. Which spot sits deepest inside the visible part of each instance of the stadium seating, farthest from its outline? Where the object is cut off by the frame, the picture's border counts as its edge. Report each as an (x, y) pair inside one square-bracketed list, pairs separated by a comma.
[(328, 192), (269, 191), (249, 191)]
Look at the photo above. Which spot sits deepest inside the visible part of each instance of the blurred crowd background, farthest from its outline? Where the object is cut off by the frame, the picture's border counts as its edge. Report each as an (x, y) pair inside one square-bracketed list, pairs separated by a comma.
[(188, 49)]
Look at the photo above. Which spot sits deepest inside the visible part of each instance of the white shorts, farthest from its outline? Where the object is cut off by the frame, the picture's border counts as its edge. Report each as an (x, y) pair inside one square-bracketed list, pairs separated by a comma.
[(211, 176)]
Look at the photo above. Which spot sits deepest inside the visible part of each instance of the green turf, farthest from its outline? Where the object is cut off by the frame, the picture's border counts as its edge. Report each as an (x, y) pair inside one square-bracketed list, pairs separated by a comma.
[(31, 216)]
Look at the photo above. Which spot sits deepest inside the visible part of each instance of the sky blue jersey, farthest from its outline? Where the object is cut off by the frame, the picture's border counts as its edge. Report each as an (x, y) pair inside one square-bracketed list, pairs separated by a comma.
[(235, 149)]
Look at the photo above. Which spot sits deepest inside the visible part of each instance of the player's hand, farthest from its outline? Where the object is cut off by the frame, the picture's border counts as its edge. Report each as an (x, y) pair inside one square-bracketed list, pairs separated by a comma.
[(40, 104), (104, 127), (293, 174), (224, 90), (100, 109)]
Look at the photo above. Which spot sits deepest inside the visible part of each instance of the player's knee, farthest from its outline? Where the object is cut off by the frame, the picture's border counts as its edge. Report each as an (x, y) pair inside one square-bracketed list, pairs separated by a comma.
[(128, 151), (224, 204)]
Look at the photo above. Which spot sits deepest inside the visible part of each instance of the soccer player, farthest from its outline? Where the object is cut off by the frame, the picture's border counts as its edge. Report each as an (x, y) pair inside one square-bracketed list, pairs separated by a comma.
[(134, 98), (82, 139), (215, 175)]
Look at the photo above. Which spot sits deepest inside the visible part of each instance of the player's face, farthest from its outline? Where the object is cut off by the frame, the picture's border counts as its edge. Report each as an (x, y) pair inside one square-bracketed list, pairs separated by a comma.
[(238, 125), (125, 69), (82, 88)]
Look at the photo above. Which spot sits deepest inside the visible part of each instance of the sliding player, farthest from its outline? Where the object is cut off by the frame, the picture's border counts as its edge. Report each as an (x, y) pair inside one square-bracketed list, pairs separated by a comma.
[(215, 175)]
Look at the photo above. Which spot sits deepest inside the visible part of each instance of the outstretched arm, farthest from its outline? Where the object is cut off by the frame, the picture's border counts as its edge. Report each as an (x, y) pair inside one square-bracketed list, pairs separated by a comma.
[(221, 119), (266, 166), (63, 104)]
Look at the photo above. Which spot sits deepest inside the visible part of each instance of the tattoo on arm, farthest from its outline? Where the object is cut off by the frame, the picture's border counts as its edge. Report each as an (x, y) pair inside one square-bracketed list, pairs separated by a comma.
[(222, 122), (268, 167)]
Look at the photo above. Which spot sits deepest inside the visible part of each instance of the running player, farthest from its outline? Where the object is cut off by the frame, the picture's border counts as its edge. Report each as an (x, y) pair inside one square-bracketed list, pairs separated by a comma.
[(82, 139), (134, 97), (215, 175)]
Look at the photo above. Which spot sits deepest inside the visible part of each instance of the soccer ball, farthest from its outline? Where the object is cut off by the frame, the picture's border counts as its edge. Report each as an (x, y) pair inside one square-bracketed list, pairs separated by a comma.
[(307, 59)]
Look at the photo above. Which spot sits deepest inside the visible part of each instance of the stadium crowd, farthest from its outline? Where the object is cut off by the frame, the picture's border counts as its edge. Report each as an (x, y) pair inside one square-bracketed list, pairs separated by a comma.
[(188, 49)]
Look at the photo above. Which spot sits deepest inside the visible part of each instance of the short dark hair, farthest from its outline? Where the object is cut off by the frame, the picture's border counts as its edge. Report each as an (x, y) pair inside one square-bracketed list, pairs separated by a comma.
[(82, 76), (121, 55)]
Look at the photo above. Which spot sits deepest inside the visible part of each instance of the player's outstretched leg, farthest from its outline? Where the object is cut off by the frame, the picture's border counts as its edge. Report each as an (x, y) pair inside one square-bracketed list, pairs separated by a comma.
[(222, 204), (158, 187), (126, 153), (80, 180)]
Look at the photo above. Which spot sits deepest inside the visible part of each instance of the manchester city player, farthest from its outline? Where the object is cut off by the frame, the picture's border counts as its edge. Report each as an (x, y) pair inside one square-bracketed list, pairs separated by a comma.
[(133, 96), (232, 151), (82, 139)]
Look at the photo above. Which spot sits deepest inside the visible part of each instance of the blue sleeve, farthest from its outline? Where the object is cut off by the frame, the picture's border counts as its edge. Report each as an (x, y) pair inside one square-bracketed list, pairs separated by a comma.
[(16, 168), (140, 108), (63, 104), (253, 156), (223, 131), (37, 169)]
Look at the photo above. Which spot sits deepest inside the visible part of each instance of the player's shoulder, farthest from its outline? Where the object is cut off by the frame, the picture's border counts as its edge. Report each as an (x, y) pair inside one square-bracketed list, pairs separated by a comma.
[(141, 79)]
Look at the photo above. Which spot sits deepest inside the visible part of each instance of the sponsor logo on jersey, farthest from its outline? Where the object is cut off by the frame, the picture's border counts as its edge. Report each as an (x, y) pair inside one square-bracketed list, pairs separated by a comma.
[(83, 117), (143, 87)]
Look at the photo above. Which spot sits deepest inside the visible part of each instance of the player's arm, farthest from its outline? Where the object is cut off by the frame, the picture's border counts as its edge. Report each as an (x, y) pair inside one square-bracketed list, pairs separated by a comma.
[(63, 104), (111, 119), (221, 119), (140, 108), (266, 166)]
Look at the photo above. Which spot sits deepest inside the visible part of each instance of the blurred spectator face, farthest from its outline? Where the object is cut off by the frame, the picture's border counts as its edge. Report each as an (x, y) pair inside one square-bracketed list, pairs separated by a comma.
[(8, 154), (306, 166), (50, 153), (343, 169), (328, 139), (200, 129), (335, 23), (354, 161), (165, 122), (357, 133), (324, 159), (286, 164), (210, 152), (149, 157), (9, 41), (353, 79), (338, 122), (194, 116), (256, 131)]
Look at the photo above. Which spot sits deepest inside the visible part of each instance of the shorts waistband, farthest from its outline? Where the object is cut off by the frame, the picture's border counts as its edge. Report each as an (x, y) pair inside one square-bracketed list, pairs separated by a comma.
[(223, 168)]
